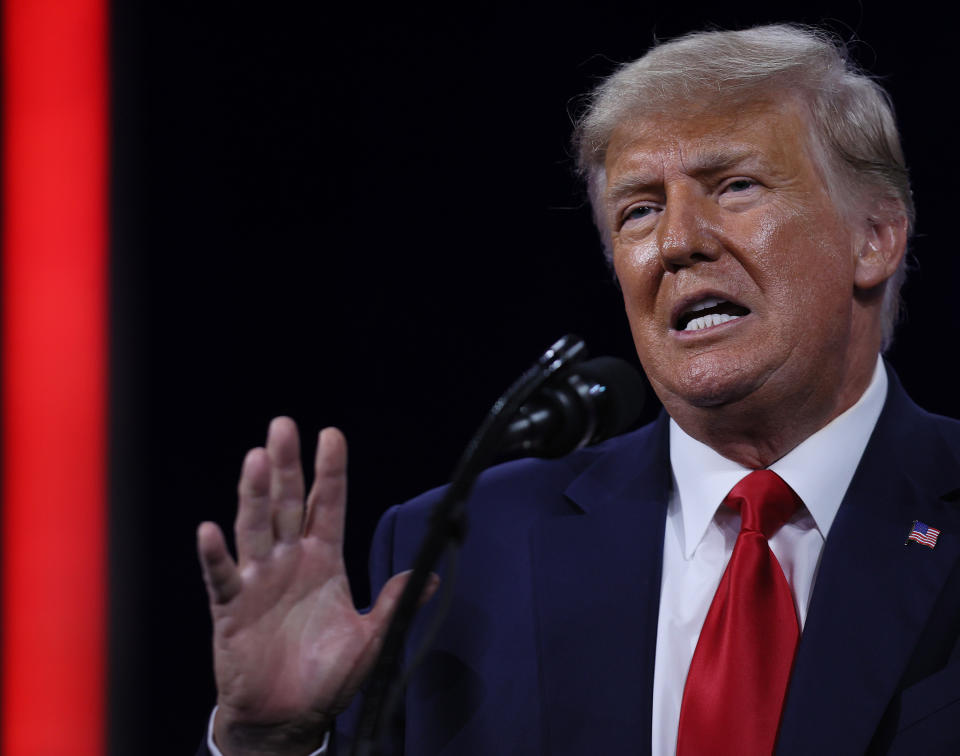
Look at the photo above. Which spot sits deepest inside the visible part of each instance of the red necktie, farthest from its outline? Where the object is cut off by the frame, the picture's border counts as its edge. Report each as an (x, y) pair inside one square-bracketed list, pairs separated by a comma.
[(738, 677)]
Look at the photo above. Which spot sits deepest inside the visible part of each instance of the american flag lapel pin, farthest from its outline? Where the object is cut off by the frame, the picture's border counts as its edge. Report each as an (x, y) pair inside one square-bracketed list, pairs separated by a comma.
[(923, 533)]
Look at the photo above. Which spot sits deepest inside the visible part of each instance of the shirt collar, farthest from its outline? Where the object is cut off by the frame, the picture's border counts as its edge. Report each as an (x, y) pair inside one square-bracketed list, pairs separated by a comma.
[(819, 469)]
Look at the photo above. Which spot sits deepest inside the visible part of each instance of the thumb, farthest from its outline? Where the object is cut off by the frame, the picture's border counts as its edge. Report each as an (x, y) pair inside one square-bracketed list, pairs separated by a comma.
[(389, 597), (378, 618)]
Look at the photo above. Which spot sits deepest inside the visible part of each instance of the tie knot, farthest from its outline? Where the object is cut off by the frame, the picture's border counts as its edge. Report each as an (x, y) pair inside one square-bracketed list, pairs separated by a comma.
[(764, 500)]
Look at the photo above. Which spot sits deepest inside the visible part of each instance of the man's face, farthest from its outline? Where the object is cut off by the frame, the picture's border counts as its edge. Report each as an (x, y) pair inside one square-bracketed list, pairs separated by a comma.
[(737, 269)]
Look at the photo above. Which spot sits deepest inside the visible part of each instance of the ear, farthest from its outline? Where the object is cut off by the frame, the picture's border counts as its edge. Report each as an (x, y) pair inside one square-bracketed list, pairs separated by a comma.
[(880, 250)]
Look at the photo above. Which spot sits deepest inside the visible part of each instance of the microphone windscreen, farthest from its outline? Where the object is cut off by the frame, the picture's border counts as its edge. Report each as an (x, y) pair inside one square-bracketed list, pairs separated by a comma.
[(624, 393)]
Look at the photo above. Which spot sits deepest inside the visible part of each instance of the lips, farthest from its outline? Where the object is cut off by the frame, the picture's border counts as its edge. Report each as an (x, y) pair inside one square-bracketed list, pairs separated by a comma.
[(708, 311)]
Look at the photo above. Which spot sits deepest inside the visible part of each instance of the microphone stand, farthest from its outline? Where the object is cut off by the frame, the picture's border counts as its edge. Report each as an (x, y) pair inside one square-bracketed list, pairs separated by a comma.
[(447, 530)]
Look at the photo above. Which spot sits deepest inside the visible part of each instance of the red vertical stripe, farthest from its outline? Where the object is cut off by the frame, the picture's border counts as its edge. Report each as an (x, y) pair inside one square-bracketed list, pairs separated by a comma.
[(54, 376)]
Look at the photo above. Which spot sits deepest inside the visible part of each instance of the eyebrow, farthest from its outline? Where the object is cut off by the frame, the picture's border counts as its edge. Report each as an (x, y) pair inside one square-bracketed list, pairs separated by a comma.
[(701, 163)]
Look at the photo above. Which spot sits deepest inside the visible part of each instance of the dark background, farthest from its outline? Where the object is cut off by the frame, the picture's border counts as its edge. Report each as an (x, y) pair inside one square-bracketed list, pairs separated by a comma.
[(368, 217)]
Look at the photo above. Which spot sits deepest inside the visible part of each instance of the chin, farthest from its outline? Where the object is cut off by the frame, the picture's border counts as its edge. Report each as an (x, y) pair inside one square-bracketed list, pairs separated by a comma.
[(705, 396), (710, 385)]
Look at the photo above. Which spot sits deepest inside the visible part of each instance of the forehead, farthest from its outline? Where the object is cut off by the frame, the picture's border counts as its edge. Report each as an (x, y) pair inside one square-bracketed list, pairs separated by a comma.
[(773, 136)]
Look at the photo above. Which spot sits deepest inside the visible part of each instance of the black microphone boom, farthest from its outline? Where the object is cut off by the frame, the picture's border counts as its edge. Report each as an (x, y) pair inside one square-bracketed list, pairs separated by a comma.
[(587, 403), (560, 404)]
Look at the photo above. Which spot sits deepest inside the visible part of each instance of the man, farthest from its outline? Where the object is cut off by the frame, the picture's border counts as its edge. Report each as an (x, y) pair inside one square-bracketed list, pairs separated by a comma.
[(639, 596)]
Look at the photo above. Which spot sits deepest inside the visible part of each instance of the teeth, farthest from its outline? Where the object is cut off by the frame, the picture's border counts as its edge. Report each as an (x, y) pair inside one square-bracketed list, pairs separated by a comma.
[(705, 321), (704, 304)]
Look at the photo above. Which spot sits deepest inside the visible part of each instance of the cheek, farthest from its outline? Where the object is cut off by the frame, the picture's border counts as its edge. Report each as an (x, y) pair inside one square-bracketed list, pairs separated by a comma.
[(808, 268), (639, 274), (800, 242), (638, 270)]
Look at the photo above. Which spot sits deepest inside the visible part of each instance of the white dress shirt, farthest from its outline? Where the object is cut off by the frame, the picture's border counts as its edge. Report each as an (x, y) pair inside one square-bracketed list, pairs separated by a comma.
[(216, 751), (700, 533)]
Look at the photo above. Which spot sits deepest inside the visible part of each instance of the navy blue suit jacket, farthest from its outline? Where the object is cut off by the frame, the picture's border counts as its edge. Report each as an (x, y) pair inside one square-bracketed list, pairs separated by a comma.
[(549, 644)]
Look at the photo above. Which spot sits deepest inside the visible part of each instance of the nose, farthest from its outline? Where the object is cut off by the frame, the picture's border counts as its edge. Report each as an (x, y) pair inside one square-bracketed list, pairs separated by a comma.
[(686, 231)]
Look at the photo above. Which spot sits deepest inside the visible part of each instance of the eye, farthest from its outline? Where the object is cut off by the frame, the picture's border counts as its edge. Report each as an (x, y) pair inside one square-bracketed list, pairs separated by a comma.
[(740, 185), (739, 193), (636, 213)]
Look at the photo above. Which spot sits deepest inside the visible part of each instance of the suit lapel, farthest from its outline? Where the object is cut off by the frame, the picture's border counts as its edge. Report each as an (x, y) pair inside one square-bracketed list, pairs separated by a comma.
[(597, 586), (873, 594)]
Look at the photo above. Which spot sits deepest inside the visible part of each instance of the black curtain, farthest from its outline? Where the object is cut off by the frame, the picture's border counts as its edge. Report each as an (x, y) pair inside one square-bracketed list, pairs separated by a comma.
[(369, 218)]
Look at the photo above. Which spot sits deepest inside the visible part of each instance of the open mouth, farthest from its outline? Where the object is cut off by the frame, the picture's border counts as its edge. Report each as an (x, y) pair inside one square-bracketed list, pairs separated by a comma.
[(709, 312)]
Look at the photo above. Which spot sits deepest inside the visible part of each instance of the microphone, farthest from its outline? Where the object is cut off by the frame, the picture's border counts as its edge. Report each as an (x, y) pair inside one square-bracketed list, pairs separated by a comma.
[(587, 403), (569, 404)]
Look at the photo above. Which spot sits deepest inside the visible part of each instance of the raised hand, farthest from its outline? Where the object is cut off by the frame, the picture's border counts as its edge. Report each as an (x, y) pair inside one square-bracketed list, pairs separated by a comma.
[(290, 649)]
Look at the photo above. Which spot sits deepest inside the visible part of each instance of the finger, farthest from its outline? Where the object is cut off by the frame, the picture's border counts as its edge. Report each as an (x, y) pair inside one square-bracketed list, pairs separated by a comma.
[(380, 617), (433, 582), (254, 528), (327, 502), (286, 479), (386, 603), (220, 573)]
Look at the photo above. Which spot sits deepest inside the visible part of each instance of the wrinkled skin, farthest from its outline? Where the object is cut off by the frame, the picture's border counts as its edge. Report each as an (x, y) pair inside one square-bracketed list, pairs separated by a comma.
[(733, 204), (290, 649)]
